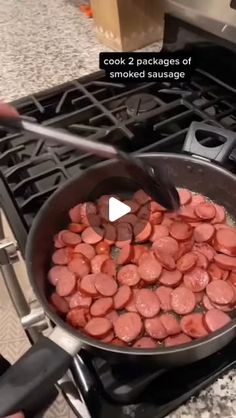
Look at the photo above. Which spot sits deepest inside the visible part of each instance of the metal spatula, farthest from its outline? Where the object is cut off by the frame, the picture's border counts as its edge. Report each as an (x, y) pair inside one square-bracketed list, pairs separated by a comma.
[(154, 182)]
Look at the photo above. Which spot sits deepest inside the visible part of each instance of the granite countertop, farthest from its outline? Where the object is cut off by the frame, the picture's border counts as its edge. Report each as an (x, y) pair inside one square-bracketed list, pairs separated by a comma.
[(43, 44)]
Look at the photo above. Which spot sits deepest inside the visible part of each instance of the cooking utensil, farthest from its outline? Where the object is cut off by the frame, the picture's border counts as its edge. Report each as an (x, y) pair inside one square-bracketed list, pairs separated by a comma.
[(155, 182), (45, 362)]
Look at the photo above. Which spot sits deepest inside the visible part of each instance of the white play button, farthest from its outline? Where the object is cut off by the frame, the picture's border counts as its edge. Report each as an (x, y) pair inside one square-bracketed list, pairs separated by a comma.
[(117, 209)]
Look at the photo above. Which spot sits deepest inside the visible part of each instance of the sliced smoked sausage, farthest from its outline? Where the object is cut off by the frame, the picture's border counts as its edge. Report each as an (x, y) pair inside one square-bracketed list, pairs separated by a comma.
[(78, 300), (79, 266), (186, 262), (77, 317), (145, 342), (216, 319), (196, 280), (205, 211), (150, 270), (97, 262), (181, 231), (177, 340), (170, 278), (225, 261), (122, 296), (182, 300), (86, 250), (105, 284), (128, 326), (225, 241), (101, 306), (147, 303), (185, 196), (154, 328), (220, 292), (92, 235), (70, 238), (129, 275), (87, 285), (193, 326), (98, 327), (170, 323), (66, 284), (163, 294), (204, 232)]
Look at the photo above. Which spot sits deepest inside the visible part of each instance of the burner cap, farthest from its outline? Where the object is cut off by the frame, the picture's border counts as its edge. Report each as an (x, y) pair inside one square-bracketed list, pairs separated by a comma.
[(140, 103)]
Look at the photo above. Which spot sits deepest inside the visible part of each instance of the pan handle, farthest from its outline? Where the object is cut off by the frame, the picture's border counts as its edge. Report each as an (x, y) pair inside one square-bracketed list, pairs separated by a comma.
[(26, 383), (219, 153)]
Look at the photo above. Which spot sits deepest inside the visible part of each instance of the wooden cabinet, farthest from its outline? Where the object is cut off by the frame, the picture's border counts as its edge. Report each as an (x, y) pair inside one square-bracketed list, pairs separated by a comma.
[(125, 25)]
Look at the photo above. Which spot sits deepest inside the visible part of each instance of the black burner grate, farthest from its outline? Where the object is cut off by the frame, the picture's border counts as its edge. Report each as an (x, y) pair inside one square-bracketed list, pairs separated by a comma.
[(137, 118)]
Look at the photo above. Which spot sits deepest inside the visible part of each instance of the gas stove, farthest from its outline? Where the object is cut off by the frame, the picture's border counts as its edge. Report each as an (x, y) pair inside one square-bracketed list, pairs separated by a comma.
[(145, 117)]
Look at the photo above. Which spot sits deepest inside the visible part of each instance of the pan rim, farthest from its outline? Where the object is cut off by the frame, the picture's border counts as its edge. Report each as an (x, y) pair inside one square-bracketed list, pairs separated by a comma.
[(160, 351)]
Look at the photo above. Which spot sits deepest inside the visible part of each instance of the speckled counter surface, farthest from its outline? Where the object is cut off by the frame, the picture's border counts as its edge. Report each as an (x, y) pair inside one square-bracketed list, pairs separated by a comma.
[(42, 44)]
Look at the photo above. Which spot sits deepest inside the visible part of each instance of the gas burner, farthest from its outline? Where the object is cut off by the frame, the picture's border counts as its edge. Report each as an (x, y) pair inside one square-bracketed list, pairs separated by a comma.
[(140, 103)]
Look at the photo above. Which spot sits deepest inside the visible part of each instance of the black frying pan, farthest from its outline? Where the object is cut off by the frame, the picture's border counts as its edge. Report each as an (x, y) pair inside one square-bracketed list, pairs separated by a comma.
[(48, 360)]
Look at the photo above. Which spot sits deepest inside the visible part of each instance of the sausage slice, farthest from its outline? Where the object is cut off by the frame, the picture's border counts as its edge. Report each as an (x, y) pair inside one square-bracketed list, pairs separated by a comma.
[(105, 284), (66, 284), (79, 300), (149, 270), (204, 232), (102, 247), (92, 235), (186, 262), (167, 245), (225, 261), (147, 303), (109, 267), (128, 275), (185, 196), (220, 214), (145, 342), (101, 306), (125, 254), (128, 326), (196, 280), (122, 297), (170, 323), (86, 250), (220, 292), (216, 319), (205, 211), (182, 300), (177, 340), (193, 326), (159, 231), (155, 329), (87, 285), (170, 278), (77, 317), (79, 266), (197, 199), (163, 294), (97, 262), (70, 238), (225, 241), (181, 231), (57, 272), (98, 327), (61, 256)]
